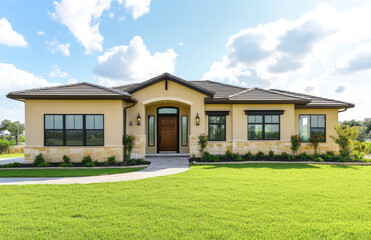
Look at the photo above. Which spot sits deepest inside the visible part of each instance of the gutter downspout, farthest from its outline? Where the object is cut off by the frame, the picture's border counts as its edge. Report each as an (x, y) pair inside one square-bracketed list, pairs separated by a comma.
[(124, 115)]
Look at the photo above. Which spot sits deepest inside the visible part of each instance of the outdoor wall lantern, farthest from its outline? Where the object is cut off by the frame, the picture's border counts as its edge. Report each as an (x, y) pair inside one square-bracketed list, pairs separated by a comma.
[(197, 120), (138, 119)]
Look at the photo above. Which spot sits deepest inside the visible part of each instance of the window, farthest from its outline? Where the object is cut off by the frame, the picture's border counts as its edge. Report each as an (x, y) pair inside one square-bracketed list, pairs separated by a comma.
[(263, 127), (53, 130), (166, 110), (217, 129), (312, 125), (184, 124), (151, 130), (73, 130)]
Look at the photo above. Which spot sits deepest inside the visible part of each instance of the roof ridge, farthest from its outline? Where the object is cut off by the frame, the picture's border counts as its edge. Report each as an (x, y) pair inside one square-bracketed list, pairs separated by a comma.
[(70, 85), (239, 93), (266, 90), (285, 94), (334, 100)]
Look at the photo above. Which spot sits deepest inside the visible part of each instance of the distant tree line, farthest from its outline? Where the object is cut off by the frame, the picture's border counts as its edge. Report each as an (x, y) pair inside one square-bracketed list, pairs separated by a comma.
[(364, 128), (15, 129)]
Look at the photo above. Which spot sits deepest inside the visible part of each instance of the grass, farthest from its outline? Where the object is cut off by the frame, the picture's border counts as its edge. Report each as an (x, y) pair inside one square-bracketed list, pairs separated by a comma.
[(14, 155), (249, 201), (63, 172)]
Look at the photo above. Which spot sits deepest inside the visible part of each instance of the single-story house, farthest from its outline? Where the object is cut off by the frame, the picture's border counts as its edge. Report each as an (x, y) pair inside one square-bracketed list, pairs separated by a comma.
[(166, 114)]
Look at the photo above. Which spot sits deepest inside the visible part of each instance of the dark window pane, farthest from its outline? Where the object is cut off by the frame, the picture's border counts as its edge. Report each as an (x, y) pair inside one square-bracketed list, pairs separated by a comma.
[(318, 131), (89, 121), (217, 119), (49, 121), (321, 121), (272, 132), (217, 132), (74, 138), (313, 120), (94, 137), (98, 122), (275, 119), (53, 137), (259, 119), (268, 119), (184, 130), (58, 121), (151, 131), (251, 119), (255, 132), (70, 122)]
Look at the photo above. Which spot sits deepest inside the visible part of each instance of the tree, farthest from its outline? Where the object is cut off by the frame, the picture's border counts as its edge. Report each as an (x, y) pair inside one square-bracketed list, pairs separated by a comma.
[(364, 128), (14, 128), (345, 135)]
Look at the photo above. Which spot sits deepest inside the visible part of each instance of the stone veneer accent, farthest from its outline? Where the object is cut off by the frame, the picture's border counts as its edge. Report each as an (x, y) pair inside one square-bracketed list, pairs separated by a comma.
[(243, 147), (139, 149), (55, 154)]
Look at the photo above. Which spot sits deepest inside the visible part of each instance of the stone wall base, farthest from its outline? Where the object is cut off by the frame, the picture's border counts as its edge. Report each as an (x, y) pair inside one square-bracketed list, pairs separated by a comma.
[(243, 147), (55, 154), (139, 149)]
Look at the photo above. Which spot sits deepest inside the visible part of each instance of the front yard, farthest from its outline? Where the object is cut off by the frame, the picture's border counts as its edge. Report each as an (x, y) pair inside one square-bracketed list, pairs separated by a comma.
[(14, 155), (270, 201)]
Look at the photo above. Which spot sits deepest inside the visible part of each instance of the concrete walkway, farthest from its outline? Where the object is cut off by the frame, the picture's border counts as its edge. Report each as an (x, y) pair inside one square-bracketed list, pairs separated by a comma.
[(11, 160), (158, 167)]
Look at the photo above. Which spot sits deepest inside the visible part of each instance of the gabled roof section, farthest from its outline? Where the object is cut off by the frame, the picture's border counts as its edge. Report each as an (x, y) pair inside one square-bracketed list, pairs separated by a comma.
[(317, 102), (82, 90), (221, 90), (166, 76)]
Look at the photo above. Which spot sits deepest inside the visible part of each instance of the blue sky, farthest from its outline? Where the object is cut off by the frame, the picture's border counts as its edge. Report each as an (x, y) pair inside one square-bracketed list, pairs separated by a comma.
[(315, 47)]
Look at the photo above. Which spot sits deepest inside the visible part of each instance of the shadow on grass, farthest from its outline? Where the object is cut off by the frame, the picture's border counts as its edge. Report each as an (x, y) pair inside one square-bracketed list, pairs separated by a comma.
[(345, 166), (262, 165)]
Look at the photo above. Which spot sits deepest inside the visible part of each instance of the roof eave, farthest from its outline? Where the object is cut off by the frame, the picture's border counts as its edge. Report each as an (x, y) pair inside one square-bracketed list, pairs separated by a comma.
[(246, 101), (21, 97)]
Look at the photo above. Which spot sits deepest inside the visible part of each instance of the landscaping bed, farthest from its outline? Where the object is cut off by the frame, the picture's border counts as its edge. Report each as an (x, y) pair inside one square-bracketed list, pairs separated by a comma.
[(284, 157), (71, 172)]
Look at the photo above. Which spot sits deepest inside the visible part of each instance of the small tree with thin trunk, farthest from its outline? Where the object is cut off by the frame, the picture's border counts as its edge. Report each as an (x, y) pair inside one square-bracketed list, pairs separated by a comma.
[(345, 135), (314, 142), (14, 128), (295, 143), (202, 140), (128, 143)]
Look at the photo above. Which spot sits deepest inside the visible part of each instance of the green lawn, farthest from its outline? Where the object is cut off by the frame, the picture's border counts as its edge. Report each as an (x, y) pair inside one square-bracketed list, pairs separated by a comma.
[(251, 201), (12, 155), (63, 172)]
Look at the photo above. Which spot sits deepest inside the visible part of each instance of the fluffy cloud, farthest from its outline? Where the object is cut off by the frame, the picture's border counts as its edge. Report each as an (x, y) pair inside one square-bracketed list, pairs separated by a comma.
[(82, 18), (132, 63), (13, 79), (10, 37), (137, 7), (54, 46), (40, 32), (308, 54), (57, 72)]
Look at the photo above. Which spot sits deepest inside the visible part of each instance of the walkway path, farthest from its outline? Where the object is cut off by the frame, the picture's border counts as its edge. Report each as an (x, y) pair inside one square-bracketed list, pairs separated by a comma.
[(11, 160), (158, 167)]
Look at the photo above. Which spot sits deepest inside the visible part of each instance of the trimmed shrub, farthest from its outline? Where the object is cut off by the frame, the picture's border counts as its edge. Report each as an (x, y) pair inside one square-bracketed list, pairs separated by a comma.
[(40, 161), (271, 154), (110, 161), (284, 156), (228, 155), (66, 159), (326, 157), (193, 158), (249, 156), (295, 143), (90, 164), (4, 145), (234, 156), (302, 156), (128, 142), (64, 164), (202, 140), (318, 159), (214, 158), (86, 159), (11, 165), (239, 159), (331, 153), (260, 155), (44, 164)]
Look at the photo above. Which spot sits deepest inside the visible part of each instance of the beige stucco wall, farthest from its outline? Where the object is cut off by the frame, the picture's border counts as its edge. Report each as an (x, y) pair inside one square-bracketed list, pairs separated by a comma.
[(151, 97), (113, 128)]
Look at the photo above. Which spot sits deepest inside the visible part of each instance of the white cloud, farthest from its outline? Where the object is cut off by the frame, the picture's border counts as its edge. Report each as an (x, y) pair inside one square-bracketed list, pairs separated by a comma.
[(82, 19), (10, 37), (111, 15), (181, 44), (132, 63), (54, 46), (121, 19), (40, 32), (137, 7), (13, 79), (57, 72), (310, 54)]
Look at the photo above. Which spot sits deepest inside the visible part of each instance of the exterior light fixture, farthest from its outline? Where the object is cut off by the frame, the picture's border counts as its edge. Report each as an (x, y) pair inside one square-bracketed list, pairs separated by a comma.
[(197, 120), (138, 119)]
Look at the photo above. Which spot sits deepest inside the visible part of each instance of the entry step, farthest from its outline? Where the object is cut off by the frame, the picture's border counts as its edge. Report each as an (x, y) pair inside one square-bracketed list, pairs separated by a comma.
[(168, 155)]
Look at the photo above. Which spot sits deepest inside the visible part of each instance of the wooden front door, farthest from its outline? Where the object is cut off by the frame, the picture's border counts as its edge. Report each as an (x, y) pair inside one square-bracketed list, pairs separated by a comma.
[(167, 133)]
